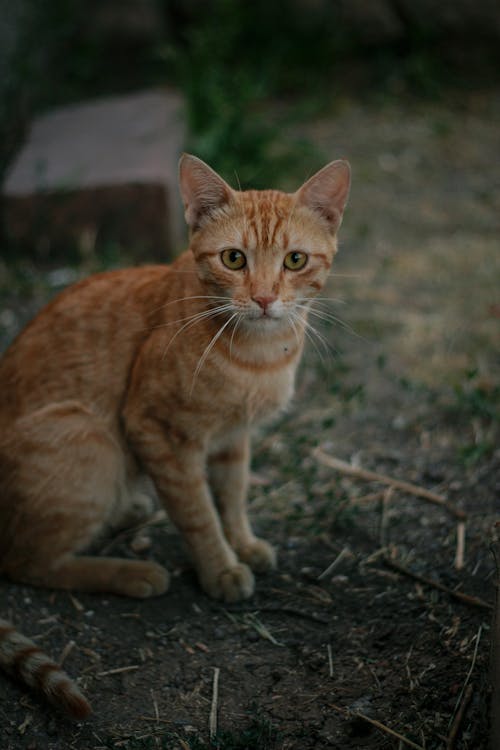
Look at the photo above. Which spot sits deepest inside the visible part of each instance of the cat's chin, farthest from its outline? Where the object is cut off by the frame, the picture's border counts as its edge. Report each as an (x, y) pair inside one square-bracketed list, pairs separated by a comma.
[(265, 323)]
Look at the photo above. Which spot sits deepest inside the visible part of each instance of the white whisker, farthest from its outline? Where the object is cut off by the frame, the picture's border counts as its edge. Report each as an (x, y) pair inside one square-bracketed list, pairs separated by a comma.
[(205, 315), (328, 317), (209, 348), (202, 314), (240, 318), (184, 299), (310, 332), (294, 327)]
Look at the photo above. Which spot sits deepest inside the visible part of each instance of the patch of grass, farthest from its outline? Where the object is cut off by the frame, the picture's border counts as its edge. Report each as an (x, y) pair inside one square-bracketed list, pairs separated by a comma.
[(231, 66), (474, 453), (477, 399), (476, 405)]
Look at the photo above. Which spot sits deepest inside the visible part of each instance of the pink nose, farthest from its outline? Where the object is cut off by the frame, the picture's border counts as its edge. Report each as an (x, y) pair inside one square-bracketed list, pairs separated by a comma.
[(264, 302)]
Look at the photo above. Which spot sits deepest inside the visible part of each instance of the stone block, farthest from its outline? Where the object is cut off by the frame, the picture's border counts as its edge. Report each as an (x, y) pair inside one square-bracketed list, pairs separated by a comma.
[(103, 171)]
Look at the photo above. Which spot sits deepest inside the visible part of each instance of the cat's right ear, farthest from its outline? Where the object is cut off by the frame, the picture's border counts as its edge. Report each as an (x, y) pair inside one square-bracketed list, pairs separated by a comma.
[(202, 190)]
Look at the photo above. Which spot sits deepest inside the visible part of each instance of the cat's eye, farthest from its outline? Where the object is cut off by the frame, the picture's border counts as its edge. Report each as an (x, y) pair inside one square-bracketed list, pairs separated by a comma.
[(295, 260), (233, 259)]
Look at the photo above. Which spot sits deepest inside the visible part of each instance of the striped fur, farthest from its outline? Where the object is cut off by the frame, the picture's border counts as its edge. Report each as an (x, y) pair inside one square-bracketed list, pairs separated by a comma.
[(24, 661), (159, 371)]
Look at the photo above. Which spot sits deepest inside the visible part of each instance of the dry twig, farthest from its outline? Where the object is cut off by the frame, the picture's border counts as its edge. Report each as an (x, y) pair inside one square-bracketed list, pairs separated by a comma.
[(346, 552), (459, 555), (155, 705), (461, 697), (473, 601), (378, 725), (459, 715), (495, 648), (384, 517), (118, 670), (212, 723), (399, 484), (66, 652), (330, 659)]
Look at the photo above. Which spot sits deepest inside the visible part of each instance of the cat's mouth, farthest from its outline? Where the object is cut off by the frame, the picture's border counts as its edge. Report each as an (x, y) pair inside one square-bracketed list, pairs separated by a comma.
[(264, 316)]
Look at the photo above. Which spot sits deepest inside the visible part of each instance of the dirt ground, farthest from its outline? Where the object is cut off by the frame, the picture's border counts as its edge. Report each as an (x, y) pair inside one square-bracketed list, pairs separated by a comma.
[(404, 384)]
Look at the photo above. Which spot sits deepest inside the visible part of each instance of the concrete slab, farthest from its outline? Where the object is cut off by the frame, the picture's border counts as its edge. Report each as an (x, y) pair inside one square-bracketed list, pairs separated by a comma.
[(105, 168)]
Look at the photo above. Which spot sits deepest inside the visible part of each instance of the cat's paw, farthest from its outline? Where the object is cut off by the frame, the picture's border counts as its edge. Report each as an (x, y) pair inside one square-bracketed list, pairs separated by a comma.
[(232, 585), (142, 579), (259, 555)]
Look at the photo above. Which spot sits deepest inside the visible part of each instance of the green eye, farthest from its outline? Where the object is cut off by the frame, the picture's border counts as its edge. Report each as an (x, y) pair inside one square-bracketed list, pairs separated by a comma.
[(233, 259), (295, 260)]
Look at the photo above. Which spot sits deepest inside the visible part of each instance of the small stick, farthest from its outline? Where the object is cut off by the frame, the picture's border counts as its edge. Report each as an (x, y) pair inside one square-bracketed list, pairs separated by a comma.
[(384, 518), (76, 604), (341, 556), (297, 613), (212, 723), (379, 725), (27, 721), (495, 649), (452, 737), (459, 555), (66, 652), (251, 619), (473, 601), (118, 670), (330, 659), (155, 705), (471, 669), (399, 484)]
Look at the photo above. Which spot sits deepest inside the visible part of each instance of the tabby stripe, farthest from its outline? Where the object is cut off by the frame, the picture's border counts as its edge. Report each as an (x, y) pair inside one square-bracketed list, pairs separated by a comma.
[(264, 233), (279, 222), (227, 457), (42, 672), (325, 261), (206, 254), (22, 656), (193, 528), (183, 483)]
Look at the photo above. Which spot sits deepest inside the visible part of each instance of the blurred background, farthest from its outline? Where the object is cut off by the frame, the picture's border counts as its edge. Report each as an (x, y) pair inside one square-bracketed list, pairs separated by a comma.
[(247, 70), (252, 75)]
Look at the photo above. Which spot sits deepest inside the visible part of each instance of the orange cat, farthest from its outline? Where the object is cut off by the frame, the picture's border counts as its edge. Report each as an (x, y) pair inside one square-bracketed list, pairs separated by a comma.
[(163, 371)]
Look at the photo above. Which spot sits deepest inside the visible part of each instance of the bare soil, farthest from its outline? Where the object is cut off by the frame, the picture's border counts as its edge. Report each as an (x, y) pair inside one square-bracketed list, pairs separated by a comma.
[(407, 385)]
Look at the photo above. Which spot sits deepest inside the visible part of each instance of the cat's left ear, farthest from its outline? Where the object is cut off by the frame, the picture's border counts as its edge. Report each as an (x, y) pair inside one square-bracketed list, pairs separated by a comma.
[(202, 190), (327, 191)]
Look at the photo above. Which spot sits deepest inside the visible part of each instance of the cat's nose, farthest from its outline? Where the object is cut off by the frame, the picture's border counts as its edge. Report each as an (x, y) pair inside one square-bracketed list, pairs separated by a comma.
[(264, 302)]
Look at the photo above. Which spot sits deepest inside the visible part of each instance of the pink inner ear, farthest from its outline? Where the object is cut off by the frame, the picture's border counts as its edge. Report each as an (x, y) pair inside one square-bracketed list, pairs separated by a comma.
[(327, 191), (201, 188)]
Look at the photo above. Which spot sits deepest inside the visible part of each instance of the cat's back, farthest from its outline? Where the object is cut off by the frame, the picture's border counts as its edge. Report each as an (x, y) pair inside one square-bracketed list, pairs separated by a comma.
[(81, 344)]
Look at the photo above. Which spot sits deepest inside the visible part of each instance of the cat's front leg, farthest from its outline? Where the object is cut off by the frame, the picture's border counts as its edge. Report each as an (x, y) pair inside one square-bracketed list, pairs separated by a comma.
[(176, 463), (228, 475)]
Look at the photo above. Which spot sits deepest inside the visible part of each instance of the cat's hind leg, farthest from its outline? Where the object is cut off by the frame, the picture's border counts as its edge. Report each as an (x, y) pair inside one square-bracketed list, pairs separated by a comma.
[(61, 479)]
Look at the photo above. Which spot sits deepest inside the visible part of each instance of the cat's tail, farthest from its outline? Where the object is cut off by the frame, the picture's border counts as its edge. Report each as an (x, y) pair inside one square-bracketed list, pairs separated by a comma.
[(23, 660)]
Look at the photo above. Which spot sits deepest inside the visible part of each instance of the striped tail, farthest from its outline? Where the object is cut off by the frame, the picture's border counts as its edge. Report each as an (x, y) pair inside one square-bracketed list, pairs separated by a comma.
[(23, 660)]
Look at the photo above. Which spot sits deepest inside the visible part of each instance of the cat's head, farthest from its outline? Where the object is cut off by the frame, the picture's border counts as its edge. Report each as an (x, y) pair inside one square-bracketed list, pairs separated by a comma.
[(266, 251)]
